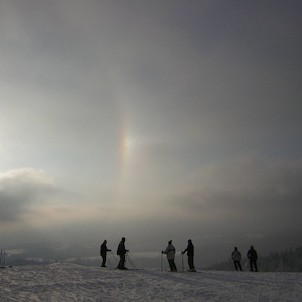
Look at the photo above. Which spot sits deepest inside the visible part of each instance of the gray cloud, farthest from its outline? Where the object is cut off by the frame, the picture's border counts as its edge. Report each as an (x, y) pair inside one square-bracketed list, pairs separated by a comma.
[(249, 194), (22, 189)]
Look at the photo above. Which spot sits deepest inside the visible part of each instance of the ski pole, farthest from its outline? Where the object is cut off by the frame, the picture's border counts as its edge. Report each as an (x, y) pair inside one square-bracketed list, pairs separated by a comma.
[(182, 262), (114, 257), (161, 262), (109, 263), (130, 261)]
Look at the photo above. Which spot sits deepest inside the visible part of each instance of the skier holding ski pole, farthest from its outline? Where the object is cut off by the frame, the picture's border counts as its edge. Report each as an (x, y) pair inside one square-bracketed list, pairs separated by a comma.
[(170, 252), (121, 251), (190, 254), (103, 252)]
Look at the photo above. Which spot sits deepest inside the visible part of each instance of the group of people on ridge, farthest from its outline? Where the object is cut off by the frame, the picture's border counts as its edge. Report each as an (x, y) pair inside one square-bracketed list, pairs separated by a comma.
[(251, 255), (121, 252), (169, 251)]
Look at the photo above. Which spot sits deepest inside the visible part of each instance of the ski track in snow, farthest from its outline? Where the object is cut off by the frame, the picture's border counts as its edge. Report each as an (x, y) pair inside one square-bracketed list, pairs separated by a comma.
[(71, 282)]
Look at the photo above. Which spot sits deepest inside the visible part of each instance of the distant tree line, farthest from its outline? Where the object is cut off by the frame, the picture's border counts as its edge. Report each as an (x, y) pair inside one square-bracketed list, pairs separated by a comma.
[(289, 260)]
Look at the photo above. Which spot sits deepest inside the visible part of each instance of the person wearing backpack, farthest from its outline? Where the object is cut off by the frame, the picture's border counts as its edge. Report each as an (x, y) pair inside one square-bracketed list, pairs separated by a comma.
[(121, 252)]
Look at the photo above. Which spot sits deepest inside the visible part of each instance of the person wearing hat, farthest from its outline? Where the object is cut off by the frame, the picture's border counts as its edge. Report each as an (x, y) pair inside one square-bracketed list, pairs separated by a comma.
[(170, 252), (190, 254)]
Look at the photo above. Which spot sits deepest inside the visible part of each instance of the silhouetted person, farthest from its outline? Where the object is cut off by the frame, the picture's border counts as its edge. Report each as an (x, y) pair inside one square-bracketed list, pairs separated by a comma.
[(236, 257), (170, 252), (121, 251), (103, 252), (190, 254), (252, 256)]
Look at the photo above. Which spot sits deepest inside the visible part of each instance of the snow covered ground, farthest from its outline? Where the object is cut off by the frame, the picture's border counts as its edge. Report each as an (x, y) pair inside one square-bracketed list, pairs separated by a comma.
[(71, 282)]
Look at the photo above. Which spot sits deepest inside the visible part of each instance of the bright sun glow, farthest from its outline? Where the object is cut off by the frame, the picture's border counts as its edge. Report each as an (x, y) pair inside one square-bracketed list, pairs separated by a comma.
[(130, 143), (128, 146)]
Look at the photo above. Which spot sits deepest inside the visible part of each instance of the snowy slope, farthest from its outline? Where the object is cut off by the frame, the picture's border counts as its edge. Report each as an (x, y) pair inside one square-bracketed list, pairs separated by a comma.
[(70, 282)]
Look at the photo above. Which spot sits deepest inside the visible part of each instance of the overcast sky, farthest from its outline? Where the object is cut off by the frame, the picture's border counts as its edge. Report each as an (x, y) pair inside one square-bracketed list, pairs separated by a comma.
[(153, 120)]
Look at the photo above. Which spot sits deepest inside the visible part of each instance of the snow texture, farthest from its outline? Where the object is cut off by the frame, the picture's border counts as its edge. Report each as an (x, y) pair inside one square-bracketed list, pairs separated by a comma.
[(71, 282)]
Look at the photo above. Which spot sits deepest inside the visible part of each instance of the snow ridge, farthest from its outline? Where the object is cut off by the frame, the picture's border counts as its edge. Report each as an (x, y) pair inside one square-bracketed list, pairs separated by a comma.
[(71, 282)]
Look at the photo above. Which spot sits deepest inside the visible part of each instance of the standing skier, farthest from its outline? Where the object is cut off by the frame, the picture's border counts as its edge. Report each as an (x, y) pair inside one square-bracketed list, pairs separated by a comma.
[(103, 252), (190, 254), (236, 257), (252, 255), (170, 252), (121, 251)]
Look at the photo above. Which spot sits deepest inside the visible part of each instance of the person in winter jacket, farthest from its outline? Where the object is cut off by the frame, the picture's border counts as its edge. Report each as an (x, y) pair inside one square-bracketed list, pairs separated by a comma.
[(252, 256), (103, 252), (190, 254), (170, 252), (121, 251), (236, 257)]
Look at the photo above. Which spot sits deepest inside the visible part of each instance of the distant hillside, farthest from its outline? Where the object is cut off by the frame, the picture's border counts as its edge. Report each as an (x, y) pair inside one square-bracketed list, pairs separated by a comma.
[(285, 261)]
